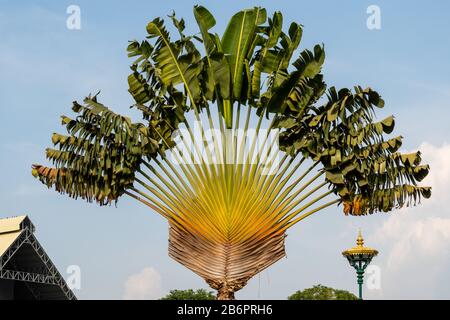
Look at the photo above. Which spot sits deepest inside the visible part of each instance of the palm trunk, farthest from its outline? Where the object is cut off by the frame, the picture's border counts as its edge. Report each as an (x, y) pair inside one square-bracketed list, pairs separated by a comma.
[(226, 267), (225, 293)]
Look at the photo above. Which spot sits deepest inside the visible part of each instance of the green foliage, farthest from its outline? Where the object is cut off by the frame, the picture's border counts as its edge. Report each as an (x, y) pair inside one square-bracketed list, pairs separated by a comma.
[(189, 294), (362, 167), (320, 292), (251, 66), (98, 160)]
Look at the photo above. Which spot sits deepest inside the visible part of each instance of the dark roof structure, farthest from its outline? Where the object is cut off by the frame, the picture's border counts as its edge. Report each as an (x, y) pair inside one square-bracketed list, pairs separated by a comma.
[(26, 272)]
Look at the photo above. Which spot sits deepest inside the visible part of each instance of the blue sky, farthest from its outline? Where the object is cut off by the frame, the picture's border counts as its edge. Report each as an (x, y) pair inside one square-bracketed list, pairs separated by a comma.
[(44, 67)]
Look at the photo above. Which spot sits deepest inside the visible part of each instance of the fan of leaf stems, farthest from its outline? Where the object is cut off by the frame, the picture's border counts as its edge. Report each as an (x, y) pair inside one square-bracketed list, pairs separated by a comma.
[(240, 140)]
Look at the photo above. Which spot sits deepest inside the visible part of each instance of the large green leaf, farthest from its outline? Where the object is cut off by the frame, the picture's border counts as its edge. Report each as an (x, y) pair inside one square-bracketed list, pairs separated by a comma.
[(268, 61), (218, 71), (175, 69), (236, 42), (205, 21)]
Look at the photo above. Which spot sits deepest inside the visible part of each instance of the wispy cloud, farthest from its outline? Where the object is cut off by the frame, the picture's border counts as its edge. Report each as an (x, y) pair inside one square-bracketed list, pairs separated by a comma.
[(145, 285), (415, 242)]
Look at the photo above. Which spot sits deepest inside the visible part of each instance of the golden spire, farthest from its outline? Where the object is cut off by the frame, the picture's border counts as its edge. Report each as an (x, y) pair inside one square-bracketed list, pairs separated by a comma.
[(360, 240), (360, 248)]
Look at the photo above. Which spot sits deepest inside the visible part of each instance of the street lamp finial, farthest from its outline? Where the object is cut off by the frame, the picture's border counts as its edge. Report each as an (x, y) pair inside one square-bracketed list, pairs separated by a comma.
[(360, 240)]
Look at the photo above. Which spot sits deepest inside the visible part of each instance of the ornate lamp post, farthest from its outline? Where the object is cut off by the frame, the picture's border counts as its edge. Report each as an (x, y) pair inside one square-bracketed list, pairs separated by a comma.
[(359, 258)]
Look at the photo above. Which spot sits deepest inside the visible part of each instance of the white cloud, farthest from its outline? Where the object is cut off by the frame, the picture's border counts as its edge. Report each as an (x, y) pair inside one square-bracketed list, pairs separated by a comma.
[(415, 242), (145, 285)]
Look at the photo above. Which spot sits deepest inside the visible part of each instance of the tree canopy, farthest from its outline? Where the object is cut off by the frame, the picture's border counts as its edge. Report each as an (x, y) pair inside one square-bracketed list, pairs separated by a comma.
[(189, 294), (320, 292)]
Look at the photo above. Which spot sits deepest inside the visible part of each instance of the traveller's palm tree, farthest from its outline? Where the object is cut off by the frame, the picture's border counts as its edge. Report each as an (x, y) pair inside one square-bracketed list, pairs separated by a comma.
[(230, 198)]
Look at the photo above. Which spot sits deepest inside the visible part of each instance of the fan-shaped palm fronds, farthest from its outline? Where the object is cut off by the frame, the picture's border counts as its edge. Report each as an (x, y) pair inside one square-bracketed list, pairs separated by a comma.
[(236, 145)]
